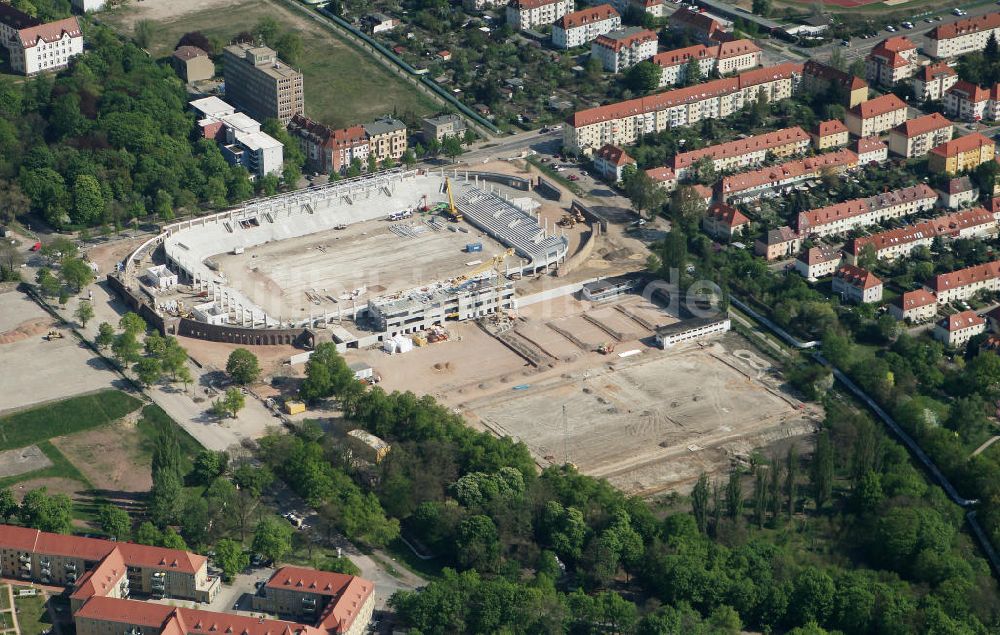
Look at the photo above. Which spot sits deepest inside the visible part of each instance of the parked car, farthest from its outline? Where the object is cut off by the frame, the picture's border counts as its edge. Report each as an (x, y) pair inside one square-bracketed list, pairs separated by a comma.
[(573, 177), (907, 25)]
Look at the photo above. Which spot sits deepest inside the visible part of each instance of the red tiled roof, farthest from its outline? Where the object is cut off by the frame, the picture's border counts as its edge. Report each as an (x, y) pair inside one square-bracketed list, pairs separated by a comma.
[(740, 147), (130, 612), (822, 71), (969, 91), (791, 169), (50, 32), (962, 145), (727, 214), (737, 48), (586, 16), (857, 277), (187, 52), (897, 44), (933, 71), (703, 191), (676, 57), (916, 299), (103, 578), (531, 4), (922, 125), (625, 40), (865, 145), (960, 321), (891, 238), (614, 155), (965, 27), (339, 614), (661, 174), (783, 234), (694, 20), (855, 207), (309, 581), (960, 184), (878, 106), (819, 255), (964, 277), (830, 127)]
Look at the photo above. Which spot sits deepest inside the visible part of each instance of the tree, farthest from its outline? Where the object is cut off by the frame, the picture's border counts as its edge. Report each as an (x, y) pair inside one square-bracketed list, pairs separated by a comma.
[(184, 376), (48, 282), (340, 564), (148, 371), (230, 557), (165, 498), (992, 51), (75, 273), (88, 201), (477, 544), (687, 208), (234, 401), (452, 147), (759, 494), (242, 366), (126, 349), (643, 191), (821, 471), (985, 177), (593, 68), (196, 39), (132, 323), (734, 495), (84, 313), (10, 262), (115, 522), (409, 158), (148, 534), (47, 513), (8, 505), (692, 72), (643, 77), (761, 7), (699, 502), (272, 538), (172, 540), (105, 335), (791, 474), (143, 33), (209, 465)]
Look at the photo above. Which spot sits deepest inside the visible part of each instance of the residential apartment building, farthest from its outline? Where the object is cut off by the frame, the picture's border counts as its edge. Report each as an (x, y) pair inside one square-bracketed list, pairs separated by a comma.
[(442, 126), (963, 36), (192, 64), (577, 28), (962, 154), (701, 26), (622, 123), (624, 48), (900, 242), (242, 141), (914, 306), (819, 78), (724, 221), (34, 46), (965, 283), (955, 330), (330, 151), (260, 84), (386, 139), (830, 134), (744, 153), (856, 284), (818, 262), (861, 212), (527, 14), (482, 5), (871, 150), (725, 58), (873, 117), (892, 60), (317, 597), (770, 181), (778, 243), (969, 102), (916, 137), (931, 82), (663, 177), (610, 161), (959, 192)]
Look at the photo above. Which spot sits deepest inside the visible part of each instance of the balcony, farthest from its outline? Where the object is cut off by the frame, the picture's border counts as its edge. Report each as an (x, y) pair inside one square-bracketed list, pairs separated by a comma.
[(24, 557), (71, 566)]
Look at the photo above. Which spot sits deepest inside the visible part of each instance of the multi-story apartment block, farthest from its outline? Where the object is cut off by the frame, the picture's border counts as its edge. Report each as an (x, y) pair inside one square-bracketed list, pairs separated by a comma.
[(437, 128), (624, 48), (386, 139), (871, 150), (914, 306), (34, 46), (817, 262), (818, 78), (577, 28), (964, 36), (725, 58), (830, 134), (610, 162), (916, 137), (724, 221), (958, 192), (705, 28), (969, 102), (965, 283), (861, 212), (769, 181), (876, 116), (900, 242), (527, 14), (955, 330), (931, 82), (317, 596), (327, 150), (243, 142), (962, 154), (744, 153), (779, 243), (262, 85), (892, 60), (857, 284), (664, 177), (624, 122)]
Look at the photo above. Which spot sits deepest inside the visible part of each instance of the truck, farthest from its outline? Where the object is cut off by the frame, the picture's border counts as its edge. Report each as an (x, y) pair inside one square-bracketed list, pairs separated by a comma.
[(474, 247)]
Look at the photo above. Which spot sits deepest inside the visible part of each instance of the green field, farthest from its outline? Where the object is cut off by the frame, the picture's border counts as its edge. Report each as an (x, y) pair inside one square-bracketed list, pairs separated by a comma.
[(342, 85), (64, 417), (31, 614)]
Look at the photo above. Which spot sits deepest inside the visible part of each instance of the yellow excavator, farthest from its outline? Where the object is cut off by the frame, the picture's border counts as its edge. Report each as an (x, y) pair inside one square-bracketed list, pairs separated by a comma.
[(453, 212)]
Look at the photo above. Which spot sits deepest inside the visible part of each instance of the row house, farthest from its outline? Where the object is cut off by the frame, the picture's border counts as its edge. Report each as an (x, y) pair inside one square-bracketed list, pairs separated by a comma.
[(527, 14), (579, 27), (744, 153), (958, 192), (327, 150), (818, 77), (34, 46), (861, 212), (818, 262), (830, 134), (892, 60), (724, 58), (782, 242), (965, 283), (769, 181), (610, 162), (624, 48), (856, 284), (963, 36), (871, 150), (900, 242), (724, 221), (962, 154), (916, 137), (876, 116), (931, 82), (624, 122), (956, 330), (914, 306), (969, 102)]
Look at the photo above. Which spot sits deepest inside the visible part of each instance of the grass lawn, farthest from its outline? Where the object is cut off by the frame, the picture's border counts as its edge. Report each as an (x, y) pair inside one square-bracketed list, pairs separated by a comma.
[(64, 417), (31, 614), (60, 468), (342, 85), (153, 420)]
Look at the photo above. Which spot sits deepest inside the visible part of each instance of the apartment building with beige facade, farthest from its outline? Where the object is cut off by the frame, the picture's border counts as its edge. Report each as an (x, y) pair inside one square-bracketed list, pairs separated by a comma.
[(900, 242), (870, 150), (624, 48), (962, 154), (892, 60), (782, 242), (260, 84), (580, 27), (969, 102), (386, 139), (725, 58), (876, 116), (830, 134), (741, 154), (818, 77), (956, 330), (963, 36), (856, 284), (965, 283), (914, 306), (622, 123), (861, 212), (818, 262), (330, 600), (723, 221), (527, 14), (916, 137), (932, 81), (774, 180)]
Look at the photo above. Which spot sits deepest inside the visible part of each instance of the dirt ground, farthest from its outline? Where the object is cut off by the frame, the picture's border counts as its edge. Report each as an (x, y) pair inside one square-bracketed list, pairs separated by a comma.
[(215, 354), (111, 457), (55, 485), (22, 461)]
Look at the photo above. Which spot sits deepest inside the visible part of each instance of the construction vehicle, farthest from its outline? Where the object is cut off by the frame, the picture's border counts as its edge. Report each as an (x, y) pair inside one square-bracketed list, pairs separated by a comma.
[(453, 212), (606, 349), (567, 221), (53, 335)]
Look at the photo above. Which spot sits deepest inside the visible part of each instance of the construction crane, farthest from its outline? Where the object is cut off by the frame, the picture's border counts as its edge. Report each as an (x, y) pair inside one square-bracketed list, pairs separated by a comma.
[(452, 210), (496, 264)]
